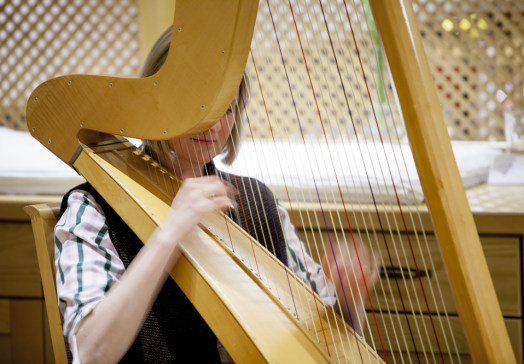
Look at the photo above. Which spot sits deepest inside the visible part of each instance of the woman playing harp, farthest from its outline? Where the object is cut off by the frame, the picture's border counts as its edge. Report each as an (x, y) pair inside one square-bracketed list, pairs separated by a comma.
[(116, 298)]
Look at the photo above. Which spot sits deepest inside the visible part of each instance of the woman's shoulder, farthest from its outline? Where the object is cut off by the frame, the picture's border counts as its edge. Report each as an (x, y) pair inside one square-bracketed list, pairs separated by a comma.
[(81, 199), (240, 183), (81, 217)]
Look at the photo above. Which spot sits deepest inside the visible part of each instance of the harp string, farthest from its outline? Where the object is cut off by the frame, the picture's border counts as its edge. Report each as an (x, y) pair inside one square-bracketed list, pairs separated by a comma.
[(241, 203), (201, 175), (249, 209), (372, 193), (369, 183), (319, 226), (314, 181), (285, 183), (402, 187), (268, 116), (270, 209), (392, 180), (257, 157), (307, 270), (367, 232), (417, 211), (221, 177), (331, 215), (338, 214), (247, 226), (302, 251), (338, 184), (336, 235), (411, 215), (287, 192), (265, 189), (226, 223), (402, 182), (278, 239)]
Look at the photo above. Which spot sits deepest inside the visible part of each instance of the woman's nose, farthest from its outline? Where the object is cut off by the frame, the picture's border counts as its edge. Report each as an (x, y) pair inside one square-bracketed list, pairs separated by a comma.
[(216, 128)]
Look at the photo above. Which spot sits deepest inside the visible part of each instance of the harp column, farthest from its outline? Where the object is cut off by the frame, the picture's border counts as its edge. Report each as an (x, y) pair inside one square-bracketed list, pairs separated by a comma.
[(468, 272)]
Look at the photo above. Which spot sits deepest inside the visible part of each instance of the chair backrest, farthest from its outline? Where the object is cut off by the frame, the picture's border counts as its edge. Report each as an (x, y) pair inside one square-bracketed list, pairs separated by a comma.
[(43, 219)]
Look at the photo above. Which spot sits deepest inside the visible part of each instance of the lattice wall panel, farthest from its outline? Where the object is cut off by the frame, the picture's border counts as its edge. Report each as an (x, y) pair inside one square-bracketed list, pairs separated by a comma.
[(476, 53), (285, 118), (43, 39), (475, 50)]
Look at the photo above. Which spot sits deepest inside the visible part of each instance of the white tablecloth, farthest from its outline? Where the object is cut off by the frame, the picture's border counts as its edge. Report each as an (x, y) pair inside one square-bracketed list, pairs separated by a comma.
[(366, 172), (27, 167)]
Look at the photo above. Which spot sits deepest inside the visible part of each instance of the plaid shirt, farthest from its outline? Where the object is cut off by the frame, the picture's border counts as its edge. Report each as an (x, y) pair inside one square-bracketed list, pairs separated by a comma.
[(88, 265)]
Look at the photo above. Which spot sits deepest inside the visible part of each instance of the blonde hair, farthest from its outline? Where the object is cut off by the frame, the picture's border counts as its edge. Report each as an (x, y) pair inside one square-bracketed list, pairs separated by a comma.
[(154, 62)]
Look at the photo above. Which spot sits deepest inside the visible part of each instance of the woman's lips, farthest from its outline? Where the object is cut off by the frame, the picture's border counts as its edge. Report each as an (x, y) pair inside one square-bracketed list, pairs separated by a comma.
[(203, 141)]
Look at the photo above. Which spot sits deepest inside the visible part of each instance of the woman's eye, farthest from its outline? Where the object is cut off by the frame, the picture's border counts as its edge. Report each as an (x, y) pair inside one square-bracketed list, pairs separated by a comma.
[(229, 110)]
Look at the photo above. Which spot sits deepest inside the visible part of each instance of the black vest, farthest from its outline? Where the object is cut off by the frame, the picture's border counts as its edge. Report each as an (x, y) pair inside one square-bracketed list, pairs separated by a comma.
[(174, 331)]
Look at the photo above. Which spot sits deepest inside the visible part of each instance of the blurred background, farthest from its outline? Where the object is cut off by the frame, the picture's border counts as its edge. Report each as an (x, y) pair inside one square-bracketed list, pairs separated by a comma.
[(475, 50)]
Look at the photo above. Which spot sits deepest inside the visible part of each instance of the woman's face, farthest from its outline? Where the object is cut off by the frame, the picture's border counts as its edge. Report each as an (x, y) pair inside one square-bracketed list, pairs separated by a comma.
[(203, 147)]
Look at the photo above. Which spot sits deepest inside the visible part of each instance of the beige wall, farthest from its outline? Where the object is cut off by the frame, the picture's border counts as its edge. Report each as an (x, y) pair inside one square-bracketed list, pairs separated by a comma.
[(155, 17)]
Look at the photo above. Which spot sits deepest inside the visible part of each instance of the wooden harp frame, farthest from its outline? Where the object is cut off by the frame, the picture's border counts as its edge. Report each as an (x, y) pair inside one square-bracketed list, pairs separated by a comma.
[(66, 112)]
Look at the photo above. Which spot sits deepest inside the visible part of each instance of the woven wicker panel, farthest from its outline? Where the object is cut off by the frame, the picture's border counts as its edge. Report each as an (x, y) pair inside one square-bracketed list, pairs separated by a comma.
[(286, 118), (43, 39), (475, 50)]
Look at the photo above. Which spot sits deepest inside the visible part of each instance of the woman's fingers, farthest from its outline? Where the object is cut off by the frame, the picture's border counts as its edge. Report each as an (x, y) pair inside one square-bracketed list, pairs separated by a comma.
[(210, 188), (357, 269), (189, 177), (223, 203)]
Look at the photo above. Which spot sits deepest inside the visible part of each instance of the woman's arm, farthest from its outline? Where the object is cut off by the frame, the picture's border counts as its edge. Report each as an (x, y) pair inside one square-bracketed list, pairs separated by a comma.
[(356, 271), (107, 332), (301, 262)]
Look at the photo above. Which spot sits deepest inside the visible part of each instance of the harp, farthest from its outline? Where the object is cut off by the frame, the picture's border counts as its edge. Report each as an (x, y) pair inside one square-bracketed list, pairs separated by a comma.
[(267, 314)]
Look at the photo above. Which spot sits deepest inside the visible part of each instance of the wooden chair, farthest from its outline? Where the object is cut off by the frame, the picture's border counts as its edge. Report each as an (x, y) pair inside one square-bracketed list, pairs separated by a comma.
[(43, 219)]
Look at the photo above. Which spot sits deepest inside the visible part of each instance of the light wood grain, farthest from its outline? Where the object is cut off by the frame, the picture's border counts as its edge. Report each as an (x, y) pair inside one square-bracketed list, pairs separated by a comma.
[(448, 359), (49, 355), (19, 275), (502, 255), (427, 339), (12, 206), (44, 219), (468, 272), (496, 210), (155, 17)]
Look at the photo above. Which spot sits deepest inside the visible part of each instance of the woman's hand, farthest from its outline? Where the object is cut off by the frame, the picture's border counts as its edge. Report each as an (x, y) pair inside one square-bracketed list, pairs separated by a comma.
[(357, 270), (106, 334), (196, 198)]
